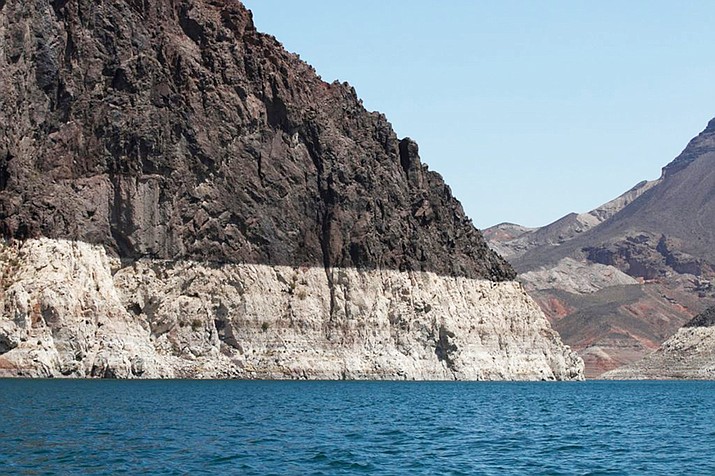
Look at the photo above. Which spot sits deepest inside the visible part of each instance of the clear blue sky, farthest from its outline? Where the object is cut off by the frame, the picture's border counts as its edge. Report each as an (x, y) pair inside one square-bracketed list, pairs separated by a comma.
[(530, 110)]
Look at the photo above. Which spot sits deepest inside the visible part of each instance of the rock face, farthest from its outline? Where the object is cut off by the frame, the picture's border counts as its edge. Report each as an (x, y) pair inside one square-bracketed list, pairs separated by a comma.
[(175, 130), (180, 196), (689, 354), (514, 241), (70, 310), (704, 319), (620, 283)]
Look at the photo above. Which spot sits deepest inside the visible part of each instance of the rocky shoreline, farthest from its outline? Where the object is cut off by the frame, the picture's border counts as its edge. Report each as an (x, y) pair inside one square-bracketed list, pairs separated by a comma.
[(688, 355)]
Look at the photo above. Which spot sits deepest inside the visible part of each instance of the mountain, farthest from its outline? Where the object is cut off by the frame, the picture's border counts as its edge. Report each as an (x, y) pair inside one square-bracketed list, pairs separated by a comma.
[(514, 241), (507, 235), (180, 196), (618, 281)]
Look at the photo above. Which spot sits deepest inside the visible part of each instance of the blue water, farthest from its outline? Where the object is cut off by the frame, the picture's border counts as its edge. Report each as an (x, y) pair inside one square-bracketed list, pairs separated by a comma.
[(234, 427)]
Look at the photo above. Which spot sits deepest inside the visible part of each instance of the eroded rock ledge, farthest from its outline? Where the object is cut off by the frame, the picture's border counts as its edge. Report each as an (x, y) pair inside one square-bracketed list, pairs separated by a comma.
[(68, 309)]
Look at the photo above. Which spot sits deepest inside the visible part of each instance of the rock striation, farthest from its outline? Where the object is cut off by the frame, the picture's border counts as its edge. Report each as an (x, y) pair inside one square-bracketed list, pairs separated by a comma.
[(71, 310), (181, 197)]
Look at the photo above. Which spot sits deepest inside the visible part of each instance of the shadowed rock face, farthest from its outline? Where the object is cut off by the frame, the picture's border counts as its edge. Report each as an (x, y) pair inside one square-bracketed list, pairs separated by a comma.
[(173, 129), (704, 319)]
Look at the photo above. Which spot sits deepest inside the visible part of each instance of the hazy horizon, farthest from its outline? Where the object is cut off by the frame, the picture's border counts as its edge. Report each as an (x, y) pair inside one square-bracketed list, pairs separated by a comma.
[(529, 111)]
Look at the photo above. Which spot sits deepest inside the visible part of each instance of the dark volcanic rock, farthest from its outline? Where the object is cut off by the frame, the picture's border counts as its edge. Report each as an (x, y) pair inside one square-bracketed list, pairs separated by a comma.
[(174, 129), (703, 144), (704, 319)]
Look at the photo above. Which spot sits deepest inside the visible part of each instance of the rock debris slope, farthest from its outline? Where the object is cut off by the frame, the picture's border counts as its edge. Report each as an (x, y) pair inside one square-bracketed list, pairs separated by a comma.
[(180, 196), (688, 354)]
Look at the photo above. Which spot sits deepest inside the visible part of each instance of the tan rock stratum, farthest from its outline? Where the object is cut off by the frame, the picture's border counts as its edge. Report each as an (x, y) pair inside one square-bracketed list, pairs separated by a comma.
[(689, 354), (70, 310)]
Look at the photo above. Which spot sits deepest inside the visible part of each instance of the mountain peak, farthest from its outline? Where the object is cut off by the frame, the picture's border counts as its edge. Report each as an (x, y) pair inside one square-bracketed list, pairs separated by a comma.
[(711, 126), (702, 144)]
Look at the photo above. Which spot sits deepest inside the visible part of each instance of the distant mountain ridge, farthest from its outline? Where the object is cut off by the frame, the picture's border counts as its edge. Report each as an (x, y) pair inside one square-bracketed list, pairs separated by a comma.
[(659, 235), (519, 240)]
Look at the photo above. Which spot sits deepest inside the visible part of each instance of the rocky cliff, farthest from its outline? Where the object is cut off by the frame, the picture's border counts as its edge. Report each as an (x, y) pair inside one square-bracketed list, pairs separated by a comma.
[(176, 130), (619, 283), (180, 196), (69, 309)]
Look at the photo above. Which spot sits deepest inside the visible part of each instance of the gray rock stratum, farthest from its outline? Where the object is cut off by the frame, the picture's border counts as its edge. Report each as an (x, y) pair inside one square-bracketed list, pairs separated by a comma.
[(181, 197)]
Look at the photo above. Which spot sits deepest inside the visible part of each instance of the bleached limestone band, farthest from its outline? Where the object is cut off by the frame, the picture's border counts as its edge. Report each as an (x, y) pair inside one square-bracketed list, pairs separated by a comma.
[(70, 310)]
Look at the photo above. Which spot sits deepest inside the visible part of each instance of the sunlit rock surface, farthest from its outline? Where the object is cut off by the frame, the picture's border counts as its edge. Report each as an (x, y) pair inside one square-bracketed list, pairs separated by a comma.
[(69, 310)]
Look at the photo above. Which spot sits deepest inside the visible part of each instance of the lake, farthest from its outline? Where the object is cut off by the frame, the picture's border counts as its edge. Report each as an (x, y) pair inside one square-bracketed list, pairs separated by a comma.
[(264, 427)]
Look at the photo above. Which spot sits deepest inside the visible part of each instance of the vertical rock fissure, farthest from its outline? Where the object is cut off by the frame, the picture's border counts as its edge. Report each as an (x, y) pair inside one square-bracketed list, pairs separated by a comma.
[(325, 219), (445, 349), (122, 242), (405, 159), (261, 175)]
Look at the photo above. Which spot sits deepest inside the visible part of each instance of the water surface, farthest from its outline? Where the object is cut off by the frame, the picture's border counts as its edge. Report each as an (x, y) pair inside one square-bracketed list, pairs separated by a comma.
[(250, 427)]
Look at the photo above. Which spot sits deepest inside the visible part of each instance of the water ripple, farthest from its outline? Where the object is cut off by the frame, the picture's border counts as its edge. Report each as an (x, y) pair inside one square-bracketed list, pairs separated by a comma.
[(263, 428)]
